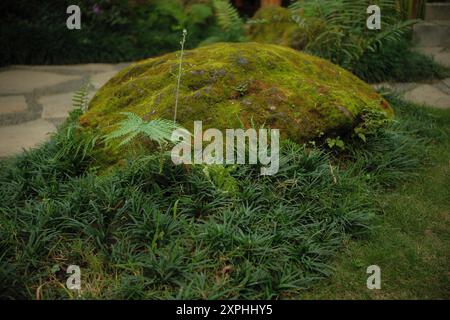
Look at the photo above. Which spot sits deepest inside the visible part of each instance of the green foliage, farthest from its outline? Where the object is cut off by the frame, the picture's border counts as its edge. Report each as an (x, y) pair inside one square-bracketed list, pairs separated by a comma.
[(344, 37), (150, 229), (229, 22), (227, 16), (158, 130), (221, 178), (35, 32), (80, 98), (337, 31), (415, 215), (412, 9), (372, 122), (398, 62), (335, 143)]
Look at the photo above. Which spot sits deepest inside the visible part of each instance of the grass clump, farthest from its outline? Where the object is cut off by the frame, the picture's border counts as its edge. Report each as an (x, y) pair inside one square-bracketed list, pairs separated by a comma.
[(398, 62), (149, 229)]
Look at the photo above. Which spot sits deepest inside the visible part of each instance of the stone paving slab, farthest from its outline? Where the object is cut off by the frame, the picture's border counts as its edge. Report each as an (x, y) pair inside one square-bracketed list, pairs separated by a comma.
[(75, 69), (440, 54), (432, 33), (24, 81), (446, 82), (13, 139), (429, 95), (98, 80), (444, 86), (56, 105), (12, 104), (433, 94), (72, 69)]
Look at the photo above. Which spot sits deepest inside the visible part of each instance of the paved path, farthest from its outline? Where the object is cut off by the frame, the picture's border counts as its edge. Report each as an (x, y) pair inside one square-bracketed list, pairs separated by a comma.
[(34, 100), (435, 94)]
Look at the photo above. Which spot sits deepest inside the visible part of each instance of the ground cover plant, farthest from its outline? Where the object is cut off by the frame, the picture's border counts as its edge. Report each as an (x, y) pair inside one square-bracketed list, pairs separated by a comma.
[(149, 229), (411, 240), (398, 62)]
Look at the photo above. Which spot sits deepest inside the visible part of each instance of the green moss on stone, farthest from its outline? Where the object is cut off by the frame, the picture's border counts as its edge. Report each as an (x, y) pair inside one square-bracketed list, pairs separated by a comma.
[(277, 25), (226, 85)]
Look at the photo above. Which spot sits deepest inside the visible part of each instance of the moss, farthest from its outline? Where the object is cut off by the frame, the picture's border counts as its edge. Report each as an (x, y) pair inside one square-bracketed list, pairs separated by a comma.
[(277, 25), (227, 85)]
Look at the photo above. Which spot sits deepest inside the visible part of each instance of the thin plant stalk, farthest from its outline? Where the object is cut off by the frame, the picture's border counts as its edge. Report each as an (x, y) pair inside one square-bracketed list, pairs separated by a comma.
[(179, 74)]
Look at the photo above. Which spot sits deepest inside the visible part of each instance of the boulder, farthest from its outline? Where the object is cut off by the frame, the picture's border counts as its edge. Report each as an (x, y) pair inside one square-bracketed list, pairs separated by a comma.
[(230, 85)]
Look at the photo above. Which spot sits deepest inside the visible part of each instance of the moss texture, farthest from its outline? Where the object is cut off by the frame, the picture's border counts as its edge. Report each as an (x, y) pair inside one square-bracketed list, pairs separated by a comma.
[(229, 85), (277, 25)]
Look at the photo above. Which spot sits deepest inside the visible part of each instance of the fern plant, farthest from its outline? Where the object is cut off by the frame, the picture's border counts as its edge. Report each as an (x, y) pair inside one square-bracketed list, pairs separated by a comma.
[(157, 130), (343, 37), (133, 126), (80, 98), (229, 22)]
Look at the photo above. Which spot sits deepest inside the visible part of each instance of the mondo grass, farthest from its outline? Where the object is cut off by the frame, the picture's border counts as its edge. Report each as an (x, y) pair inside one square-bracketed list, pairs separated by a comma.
[(398, 62), (150, 229)]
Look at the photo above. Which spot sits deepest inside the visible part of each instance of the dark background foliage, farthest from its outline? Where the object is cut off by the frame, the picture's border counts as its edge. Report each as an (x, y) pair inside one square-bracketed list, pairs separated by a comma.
[(35, 32)]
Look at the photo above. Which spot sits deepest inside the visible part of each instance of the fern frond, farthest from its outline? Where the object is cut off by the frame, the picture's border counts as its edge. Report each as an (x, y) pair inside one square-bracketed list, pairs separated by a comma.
[(158, 130), (227, 16), (80, 98), (344, 37), (131, 124)]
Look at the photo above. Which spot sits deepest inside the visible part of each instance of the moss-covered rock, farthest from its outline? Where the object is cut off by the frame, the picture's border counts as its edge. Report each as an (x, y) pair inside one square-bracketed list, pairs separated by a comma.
[(278, 25), (230, 85)]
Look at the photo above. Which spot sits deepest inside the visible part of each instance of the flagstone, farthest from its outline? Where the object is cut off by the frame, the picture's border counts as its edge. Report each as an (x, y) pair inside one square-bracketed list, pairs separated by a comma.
[(12, 104), (15, 138), (23, 81)]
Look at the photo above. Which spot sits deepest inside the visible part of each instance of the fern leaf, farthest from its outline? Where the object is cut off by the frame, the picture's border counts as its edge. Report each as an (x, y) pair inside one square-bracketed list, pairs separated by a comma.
[(158, 130), (131, 124), (227, 16), (80, 98)]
